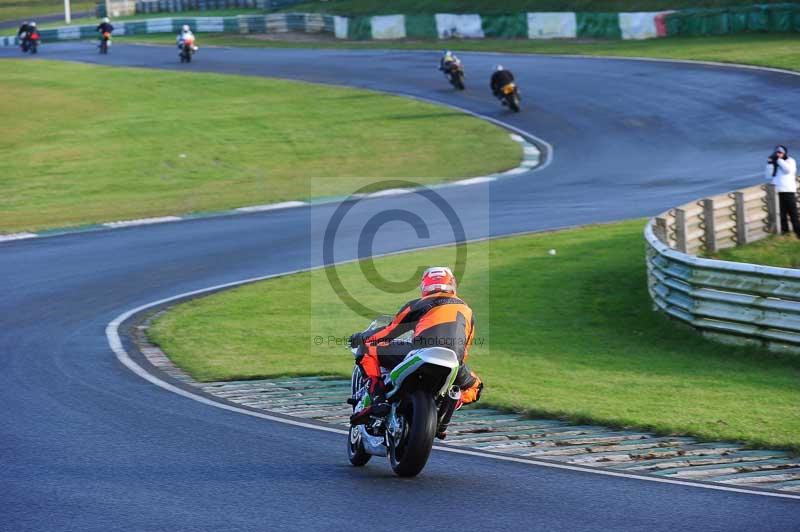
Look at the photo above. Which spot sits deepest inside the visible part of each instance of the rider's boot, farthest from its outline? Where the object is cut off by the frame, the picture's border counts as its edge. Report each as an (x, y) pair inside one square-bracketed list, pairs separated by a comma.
[(373, 404), (449, 408)]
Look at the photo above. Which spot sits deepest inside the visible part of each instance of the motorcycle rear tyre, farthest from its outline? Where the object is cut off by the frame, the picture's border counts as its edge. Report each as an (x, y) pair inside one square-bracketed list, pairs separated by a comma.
[(409, 456)]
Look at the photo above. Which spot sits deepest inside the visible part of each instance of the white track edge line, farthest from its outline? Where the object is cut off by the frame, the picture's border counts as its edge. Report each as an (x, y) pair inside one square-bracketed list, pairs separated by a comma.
[(11, 237), (115, 342)]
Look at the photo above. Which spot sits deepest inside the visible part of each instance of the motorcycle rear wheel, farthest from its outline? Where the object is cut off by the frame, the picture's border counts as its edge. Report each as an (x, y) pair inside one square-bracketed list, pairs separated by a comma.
[(410, 453)]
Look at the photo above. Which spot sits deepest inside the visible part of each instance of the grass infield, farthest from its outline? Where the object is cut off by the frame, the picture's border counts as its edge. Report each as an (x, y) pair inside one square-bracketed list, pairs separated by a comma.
[(30, 9), (88, 144), (570, 335)]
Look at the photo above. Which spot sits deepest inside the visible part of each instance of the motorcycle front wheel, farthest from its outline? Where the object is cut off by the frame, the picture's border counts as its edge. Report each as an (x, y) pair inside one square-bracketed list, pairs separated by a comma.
[(409, 451), (459, 81), (355, 447)]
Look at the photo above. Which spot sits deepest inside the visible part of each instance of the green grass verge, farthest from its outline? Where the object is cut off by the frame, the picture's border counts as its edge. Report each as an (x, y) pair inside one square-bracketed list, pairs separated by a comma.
[(568, 335), (773, 50), (100, 144), (22, 9), (782, 251), (378, 7)]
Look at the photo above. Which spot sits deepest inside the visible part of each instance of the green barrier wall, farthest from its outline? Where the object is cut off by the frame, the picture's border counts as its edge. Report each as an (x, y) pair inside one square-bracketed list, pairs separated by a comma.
[(598, 26), (505, 26), (360, 28), (421, 27), (296, 22), (692, 22), (722, 21)]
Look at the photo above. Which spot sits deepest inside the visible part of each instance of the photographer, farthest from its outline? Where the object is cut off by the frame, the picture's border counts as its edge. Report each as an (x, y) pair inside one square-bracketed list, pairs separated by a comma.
[(782, 172)]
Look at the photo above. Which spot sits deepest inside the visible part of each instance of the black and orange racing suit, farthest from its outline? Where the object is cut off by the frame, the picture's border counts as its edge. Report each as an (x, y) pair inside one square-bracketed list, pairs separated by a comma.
[(500, 79), (438, 320)]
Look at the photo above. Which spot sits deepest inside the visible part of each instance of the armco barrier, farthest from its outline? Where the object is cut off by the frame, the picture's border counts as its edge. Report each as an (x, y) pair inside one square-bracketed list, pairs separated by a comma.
[(734, 302)]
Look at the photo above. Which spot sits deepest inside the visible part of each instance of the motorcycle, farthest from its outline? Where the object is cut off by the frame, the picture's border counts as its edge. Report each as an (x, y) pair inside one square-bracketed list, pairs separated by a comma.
[(511, 97), (105, 42), (30, 42), (454, 72), (421, 398), (187, 50)]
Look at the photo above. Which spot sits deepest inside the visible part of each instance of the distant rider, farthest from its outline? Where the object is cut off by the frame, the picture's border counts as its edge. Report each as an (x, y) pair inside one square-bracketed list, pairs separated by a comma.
[(24, 29), (438, 318), (184, 36), (105, 26), (448, 61), (500, 78), (25, 32)]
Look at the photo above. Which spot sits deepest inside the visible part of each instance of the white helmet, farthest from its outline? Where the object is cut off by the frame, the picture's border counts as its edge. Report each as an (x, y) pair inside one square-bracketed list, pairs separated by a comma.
[(185, 28), (106, 20), (498, 68), (32, 24)]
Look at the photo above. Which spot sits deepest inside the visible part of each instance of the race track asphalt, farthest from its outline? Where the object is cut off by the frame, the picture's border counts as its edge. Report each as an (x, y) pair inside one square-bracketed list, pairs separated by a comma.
[(87, 445)]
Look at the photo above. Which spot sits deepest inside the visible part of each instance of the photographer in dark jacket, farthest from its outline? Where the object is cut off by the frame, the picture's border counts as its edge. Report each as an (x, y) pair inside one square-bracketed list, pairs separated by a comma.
[(500, 79)]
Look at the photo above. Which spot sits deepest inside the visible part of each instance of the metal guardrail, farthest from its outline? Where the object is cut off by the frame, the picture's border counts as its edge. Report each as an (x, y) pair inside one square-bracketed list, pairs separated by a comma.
[(728, 301)]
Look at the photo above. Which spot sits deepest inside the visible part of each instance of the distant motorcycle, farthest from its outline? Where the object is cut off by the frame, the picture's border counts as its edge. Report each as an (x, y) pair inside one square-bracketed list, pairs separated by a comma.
[(105, 42), (30, 42), (454, 72), (510, 95), (421, 397), (187, 50)]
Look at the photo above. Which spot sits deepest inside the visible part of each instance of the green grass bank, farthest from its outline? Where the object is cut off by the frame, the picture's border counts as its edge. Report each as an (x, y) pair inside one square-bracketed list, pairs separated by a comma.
[(782, 251), (100, 144), (26, 9)]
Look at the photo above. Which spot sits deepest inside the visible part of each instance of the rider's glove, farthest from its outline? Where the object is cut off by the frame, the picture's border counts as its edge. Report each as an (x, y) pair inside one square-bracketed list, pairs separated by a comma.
[(355, 340)]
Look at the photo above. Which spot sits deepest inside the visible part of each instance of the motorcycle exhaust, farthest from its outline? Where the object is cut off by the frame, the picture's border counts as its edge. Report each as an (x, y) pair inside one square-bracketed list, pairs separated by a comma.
[(454, 393)]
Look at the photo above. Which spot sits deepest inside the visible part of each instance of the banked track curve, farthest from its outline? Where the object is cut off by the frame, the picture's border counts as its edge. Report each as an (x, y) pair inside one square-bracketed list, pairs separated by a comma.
[(94, 445)]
